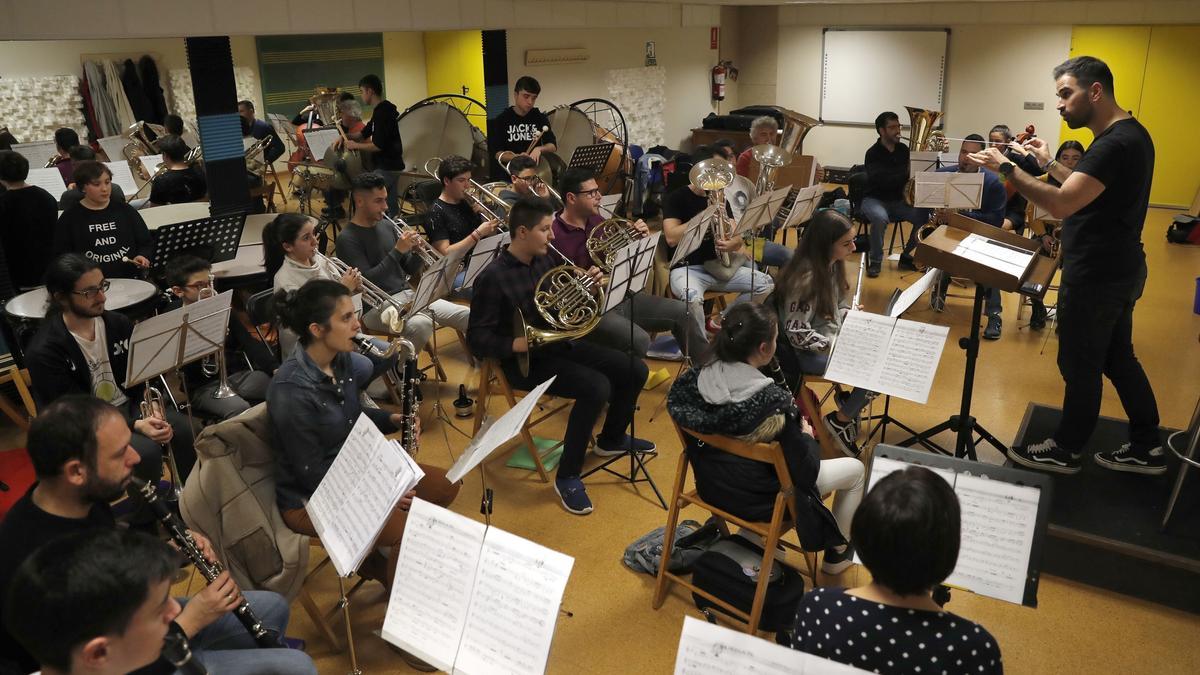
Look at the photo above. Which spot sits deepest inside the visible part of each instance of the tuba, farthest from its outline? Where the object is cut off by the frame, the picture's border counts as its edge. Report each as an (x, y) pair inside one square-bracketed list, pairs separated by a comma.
[(143, 141), (609, 237), (921, 138), (769, 157), (569, 300), (713, 176)]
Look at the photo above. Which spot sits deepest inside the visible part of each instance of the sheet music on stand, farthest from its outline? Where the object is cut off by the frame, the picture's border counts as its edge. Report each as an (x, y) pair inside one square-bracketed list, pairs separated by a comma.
[(37, 152), (901, 301), (470, 599), (482, 255), (693, 235), (630, 269), (320, 139), (891, 356), (1004, 518), (150, 163), (924, 161), (995, 254), (948, 190), (805, 205), (494, 434), (50, 180), (356, 497), (712, 649), (167, 341), (215, 238), (282, 125), (762, 209), (436, 282), (123, 176), (114, 147), (592, 157)]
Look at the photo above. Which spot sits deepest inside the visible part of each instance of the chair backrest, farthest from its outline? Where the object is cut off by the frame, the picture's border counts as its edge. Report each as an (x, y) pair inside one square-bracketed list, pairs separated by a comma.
[(427, 191), (768, 453), (856, 184), (258, 306)]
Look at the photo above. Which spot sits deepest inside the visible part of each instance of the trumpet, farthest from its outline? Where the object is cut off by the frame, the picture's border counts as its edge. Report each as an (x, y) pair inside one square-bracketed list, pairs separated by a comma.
[(55, 160), (215, 365), (424, 251), (476, 193), (391, 311), (152, 406)]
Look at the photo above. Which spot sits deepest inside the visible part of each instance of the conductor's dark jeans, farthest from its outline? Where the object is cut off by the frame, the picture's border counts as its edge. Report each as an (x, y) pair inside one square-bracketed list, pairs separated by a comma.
[(1096, 339), (591, 375)]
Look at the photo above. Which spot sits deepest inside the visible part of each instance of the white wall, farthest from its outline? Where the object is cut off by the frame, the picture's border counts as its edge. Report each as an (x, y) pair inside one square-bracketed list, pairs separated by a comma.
[(683, 52)]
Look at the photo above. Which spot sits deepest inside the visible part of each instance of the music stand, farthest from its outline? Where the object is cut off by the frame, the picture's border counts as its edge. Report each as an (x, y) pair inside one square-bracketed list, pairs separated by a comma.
[(215, 238), (435, 284), (693, 235), (804, 205), (482, 255), (592, 157), (630, 269), (959, 249)]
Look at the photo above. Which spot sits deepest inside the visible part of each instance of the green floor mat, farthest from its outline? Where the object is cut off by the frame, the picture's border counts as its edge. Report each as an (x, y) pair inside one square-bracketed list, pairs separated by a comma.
[(521, 459)]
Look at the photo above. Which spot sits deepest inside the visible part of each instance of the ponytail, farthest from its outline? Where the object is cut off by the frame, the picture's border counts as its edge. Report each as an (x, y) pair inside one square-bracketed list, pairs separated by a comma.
[(314, 302), (282, 230)]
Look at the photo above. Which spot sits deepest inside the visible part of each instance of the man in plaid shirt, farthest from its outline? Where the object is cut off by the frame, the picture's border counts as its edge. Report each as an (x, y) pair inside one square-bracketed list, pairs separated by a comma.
[(590, 374)]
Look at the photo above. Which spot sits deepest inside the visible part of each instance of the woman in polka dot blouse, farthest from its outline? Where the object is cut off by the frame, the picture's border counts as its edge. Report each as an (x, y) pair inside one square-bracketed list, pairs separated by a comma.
[(906, 532)]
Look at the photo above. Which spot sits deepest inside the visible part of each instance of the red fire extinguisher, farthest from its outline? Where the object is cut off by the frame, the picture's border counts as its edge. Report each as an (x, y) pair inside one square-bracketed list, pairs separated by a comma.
[(718, 81)]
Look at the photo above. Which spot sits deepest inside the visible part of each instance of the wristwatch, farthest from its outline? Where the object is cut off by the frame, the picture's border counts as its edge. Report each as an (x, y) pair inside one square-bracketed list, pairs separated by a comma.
[(1006, 169)]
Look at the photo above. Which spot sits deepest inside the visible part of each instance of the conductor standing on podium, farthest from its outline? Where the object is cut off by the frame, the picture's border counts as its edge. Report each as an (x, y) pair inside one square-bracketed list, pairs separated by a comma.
[(1103, 205)]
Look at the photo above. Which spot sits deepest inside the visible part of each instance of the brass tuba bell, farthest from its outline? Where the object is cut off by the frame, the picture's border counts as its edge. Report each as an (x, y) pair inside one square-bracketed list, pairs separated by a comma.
[(921, 136)]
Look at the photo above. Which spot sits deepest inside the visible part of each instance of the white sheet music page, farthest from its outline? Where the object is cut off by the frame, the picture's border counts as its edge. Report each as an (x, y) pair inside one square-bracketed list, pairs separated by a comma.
[(150, 163), (439, 557), (998, 520), (912, 293), (37, 152), (805, 204), (996, 255), (514, 608), (693, 235), (208, 322), (860, 349), (320, 139), (357, 495), (709, 649), (912, 360), (482, 255), (122, 176), (49, 180), (497, 433), (113, 147)]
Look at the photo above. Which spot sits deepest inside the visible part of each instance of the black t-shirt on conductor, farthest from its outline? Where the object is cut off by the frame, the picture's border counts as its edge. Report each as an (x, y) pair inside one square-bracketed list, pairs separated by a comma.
[(1103, 240), (384, 132), (511, 132)]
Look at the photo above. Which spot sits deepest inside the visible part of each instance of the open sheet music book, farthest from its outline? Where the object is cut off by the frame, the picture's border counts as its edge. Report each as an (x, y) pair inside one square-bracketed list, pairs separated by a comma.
[(50, 180), (357, 495), (473, 599), (319, 140), (37, 152), (709, 649), (994, 254), (123, 176), (891, 356), (150, 163), (496, 433), (1004, 513)]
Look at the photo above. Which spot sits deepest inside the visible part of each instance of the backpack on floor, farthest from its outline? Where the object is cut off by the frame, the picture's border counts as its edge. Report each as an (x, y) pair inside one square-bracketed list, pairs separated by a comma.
[(729, 569), (691, 540), (1184, 230)]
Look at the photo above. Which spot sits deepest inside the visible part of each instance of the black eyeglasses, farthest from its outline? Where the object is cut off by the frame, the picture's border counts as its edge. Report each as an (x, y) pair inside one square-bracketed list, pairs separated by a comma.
[(89, 293), (532, 180), (594, 192)]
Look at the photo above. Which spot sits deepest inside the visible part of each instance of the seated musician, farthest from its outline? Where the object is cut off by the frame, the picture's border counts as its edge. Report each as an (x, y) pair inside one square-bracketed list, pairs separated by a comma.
[(810, 301), (180, 182), (692, 278), (991, 211), (521, 129), (525, 182), (130, 610), (72, 195), (886, 163), (456, 222), (907, 534), (260, 129), (381, 137), (28, 213), (590, 374), (80, 348), (763, 131), (314, 403), (725, 147), (351, 124), (370, 244), (65, 138), (1014, 210), (188, 277), (730, 396), (572, 227), (81, 452), (106, 230)]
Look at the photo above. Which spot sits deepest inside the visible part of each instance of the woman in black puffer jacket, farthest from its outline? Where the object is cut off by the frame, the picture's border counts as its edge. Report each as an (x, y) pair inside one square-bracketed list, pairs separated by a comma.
[(731, 397)]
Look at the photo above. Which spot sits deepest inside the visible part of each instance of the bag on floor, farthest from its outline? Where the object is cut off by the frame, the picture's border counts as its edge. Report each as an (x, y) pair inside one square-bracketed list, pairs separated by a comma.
[(1184, 230), (691, 540), (730, 569)]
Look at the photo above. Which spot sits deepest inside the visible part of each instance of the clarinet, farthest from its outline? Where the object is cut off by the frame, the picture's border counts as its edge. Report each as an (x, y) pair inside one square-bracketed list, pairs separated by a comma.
[(178, 652), (408, 430), (262, 635)]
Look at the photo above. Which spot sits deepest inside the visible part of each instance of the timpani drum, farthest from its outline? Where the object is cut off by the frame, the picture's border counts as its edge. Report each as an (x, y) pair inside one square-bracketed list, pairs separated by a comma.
[(588, 122), (440, 126), (134, 298)]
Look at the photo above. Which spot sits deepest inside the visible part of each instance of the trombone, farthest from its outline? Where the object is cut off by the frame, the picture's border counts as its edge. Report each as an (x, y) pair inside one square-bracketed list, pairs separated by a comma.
[(372, 294), (215, 364), (476, 193), (424, 251)]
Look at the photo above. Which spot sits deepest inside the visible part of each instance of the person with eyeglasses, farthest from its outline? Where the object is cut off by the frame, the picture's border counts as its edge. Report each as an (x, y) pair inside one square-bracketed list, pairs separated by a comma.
[(81, 348), (526, 183)]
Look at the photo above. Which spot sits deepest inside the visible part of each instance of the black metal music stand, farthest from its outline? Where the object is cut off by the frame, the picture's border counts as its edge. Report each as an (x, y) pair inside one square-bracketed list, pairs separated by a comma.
[(215, 239), (592, 157)]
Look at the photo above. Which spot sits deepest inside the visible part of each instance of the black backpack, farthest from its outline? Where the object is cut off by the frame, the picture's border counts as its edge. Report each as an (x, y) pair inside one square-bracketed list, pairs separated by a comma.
[(729, 570)]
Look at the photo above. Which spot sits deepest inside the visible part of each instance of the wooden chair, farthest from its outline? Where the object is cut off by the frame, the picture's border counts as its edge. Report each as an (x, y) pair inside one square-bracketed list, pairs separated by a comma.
[(810, 405), (491, 370), (324, 619), (782, 519), (20, 379)]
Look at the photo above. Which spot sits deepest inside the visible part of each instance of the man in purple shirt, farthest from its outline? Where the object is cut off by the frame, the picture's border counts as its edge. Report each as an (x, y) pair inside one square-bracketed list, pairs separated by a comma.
[(648, 312)]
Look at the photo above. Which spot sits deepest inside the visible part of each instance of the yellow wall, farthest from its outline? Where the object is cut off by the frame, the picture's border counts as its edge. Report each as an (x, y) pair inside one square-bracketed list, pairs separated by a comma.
[(1155, 76), (454, 60), (404, 68)]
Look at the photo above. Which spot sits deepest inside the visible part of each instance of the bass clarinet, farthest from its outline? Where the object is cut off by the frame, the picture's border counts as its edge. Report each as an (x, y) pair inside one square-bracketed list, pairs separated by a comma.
[(262, 635)]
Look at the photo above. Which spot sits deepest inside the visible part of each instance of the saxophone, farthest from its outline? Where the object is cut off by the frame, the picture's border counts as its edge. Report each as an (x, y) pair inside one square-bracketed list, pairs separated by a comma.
[(139, 489)]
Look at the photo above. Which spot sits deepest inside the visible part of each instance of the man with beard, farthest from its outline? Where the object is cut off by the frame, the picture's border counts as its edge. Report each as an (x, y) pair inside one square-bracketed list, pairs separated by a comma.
[(1103, 204), (81, 454)]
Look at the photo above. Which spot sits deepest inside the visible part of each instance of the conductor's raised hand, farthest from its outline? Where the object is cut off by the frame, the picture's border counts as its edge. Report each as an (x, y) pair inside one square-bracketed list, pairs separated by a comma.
[(1038, 147), (988, 158)]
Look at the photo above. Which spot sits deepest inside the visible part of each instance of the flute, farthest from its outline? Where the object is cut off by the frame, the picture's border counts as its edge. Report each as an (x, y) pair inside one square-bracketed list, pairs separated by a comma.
[(862, 267)]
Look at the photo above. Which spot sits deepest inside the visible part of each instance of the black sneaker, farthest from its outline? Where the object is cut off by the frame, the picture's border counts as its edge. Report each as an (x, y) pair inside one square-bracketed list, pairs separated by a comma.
[(605, 448), (835, 562), (1152, 462), (1037, 320), (845, 435), (994, 324), (907, 263), (873, 269), (1047, 456)]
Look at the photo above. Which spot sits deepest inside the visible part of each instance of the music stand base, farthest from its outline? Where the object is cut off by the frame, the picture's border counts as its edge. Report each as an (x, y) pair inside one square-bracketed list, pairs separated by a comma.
[(637, 464), (972, 429)]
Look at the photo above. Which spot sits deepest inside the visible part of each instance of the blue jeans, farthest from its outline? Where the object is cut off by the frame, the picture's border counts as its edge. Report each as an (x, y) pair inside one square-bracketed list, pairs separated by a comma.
[(880, 213), (690, 283), (776, 255), (226, 647), (1095, 340)]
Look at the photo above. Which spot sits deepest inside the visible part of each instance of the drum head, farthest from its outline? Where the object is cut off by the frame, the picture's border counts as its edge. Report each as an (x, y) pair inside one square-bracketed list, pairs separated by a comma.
[(738, 195), (28, 305), (572, 128)]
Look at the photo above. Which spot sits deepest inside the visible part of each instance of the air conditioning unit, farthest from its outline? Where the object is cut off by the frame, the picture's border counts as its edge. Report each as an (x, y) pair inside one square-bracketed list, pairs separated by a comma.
[(554, 57)]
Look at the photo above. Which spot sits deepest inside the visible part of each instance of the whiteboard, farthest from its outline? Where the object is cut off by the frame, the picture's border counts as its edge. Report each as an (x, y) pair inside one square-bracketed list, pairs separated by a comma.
[(865, 72)]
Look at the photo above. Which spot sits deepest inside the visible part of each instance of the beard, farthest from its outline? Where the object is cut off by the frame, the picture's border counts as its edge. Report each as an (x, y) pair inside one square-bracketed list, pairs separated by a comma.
[(1080, 118), (104, 491)]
